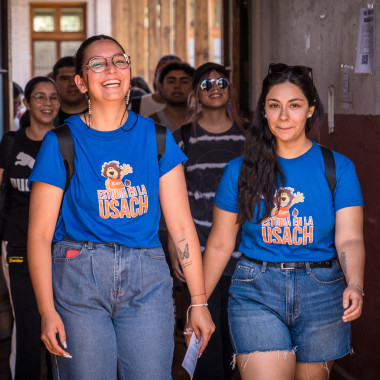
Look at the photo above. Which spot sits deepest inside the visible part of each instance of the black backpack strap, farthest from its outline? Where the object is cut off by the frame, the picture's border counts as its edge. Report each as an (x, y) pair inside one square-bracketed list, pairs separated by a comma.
[(66, 148), (328, 158), (160, 140), (185, 135)]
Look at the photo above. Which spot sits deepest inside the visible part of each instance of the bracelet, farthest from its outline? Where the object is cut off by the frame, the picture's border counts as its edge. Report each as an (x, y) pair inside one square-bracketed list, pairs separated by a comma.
[(196, 295), (358, 284), (188, 309)]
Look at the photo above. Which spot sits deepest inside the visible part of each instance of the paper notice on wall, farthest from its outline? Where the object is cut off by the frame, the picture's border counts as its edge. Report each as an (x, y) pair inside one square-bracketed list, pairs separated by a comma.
[(345, 87), (365, 53)]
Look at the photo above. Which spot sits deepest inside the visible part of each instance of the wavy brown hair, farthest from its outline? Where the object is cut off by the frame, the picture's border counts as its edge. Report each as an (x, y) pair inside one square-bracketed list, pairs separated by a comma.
[(261, 173)]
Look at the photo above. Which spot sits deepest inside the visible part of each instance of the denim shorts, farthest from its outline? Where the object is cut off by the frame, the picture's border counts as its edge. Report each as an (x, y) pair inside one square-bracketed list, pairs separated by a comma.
[(289, 310), (117, 309)]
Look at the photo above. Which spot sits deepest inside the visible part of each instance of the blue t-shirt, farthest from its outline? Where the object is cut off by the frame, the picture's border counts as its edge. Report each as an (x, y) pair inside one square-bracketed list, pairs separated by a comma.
[(113, 194), (302, 227)]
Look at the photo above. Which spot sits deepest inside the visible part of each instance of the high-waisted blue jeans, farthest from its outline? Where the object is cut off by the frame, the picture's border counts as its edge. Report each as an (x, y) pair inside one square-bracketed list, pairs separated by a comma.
[(117, 308)]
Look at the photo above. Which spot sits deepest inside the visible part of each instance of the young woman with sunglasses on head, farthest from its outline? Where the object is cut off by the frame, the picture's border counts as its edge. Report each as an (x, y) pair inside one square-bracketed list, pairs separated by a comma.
[(42, 103), (213, 137), (105, 292), (299, 281)]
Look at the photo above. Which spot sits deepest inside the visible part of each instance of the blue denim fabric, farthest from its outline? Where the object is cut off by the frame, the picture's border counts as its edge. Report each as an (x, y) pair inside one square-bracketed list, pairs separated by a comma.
[(117, 308), (295, 310)]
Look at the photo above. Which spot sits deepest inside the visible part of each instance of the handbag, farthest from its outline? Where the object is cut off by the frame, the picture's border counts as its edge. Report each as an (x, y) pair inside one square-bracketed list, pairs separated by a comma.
[(5, 183)]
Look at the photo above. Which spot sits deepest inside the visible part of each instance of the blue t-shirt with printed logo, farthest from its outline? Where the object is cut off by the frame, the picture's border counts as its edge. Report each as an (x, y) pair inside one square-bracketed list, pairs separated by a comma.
[(302, 226), (113, 194)]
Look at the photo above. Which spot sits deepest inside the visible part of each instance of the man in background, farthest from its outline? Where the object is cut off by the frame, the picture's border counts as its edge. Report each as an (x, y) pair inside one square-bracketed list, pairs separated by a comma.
[(174, 86), (73, 101), (151, 103)]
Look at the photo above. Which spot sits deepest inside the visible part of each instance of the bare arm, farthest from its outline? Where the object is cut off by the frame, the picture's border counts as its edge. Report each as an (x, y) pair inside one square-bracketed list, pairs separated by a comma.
[(220, 246), (174, 260), (44, 206), (1, 175), (176, 210), (349, 243)]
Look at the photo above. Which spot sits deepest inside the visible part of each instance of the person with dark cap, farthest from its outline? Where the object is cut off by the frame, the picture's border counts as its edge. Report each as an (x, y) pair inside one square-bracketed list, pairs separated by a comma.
[(174, 86), (151, 103), (73, 102), (213, 136)]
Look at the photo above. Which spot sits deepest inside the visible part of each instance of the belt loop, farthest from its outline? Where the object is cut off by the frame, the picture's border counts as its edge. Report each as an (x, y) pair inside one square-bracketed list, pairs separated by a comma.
[(264, 267), (89, 245), (307, 264)]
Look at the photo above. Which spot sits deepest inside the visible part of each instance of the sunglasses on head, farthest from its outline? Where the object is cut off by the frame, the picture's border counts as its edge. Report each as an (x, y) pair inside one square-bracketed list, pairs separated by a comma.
[(295, 70), (207, 84), (99, 64)]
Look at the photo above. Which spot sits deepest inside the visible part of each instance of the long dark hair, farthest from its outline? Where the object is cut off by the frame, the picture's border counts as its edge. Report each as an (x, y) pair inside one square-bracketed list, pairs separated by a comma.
[(79, 56), (29, 88), (195, 107), (260, 173)]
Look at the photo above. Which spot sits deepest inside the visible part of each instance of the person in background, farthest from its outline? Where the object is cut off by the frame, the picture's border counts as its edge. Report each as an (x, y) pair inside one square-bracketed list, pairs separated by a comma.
[(174, 86), (104, 290), (153, 102), (73, 101), (299, 281), (17, 105), (213, 137), (42, 104), (139, 82), (139, 88)]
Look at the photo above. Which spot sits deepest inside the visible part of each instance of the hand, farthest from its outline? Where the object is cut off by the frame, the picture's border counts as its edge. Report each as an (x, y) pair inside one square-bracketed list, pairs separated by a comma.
[(202, 325), (51, 325), (352, 303)]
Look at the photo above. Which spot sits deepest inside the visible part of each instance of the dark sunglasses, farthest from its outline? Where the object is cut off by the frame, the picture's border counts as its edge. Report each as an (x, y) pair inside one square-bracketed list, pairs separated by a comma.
[(206, 84), (295, 70), (99, 64)]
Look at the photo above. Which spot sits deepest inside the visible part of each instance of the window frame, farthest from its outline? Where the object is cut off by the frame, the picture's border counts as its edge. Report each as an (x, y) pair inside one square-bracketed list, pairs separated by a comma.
[(57, 36)]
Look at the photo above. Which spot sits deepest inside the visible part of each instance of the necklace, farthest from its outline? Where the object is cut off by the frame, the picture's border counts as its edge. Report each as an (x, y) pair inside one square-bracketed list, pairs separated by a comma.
[(89, 119)]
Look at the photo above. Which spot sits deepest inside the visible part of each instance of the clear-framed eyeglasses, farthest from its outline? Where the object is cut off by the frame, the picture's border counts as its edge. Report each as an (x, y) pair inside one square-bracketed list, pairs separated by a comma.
[(41, 98), (119, 60)]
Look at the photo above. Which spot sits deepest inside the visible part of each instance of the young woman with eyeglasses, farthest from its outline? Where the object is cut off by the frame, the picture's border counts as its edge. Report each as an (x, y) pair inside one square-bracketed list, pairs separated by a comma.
[(299, 281), (42, 103), (105, 292), (213, 136)]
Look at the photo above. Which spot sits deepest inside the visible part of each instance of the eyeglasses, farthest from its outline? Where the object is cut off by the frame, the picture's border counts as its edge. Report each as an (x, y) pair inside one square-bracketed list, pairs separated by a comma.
[(43, 99), (295, 70), (207, 84), (99, 64)]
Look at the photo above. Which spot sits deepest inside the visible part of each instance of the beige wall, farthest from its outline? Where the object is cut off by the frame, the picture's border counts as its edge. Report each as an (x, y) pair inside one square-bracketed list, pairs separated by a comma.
[(332, 28)]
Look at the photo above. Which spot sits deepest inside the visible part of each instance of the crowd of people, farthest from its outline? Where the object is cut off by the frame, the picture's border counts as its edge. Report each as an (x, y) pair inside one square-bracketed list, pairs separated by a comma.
[(253, 228)]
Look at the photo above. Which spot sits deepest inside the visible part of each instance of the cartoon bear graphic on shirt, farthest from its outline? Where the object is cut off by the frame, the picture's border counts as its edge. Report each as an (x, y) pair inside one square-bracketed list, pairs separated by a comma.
[(114, 174), (284, 199)]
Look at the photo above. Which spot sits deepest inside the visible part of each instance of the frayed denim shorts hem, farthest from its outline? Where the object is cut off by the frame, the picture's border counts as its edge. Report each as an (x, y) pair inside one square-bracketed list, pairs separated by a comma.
[(289, 310)]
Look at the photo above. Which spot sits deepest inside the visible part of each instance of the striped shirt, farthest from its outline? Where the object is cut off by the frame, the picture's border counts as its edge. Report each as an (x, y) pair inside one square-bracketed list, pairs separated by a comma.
[(207, 154)]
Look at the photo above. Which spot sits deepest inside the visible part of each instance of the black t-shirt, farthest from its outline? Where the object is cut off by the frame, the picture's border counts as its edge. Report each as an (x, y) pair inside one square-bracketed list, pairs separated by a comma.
[(23, 155), (62, 116)]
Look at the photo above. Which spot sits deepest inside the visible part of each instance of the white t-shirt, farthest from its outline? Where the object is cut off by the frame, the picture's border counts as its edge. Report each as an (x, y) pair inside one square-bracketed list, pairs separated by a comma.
[(148, 105)]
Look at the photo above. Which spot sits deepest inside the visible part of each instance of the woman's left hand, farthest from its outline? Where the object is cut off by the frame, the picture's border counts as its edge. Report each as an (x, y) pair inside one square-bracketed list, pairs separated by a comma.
[(352, 303), (202, 325)]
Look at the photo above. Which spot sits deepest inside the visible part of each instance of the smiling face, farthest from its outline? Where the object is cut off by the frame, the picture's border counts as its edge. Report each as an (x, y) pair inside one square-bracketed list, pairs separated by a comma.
[(215, 98), (287, 109), (112, 84), (43, 113)]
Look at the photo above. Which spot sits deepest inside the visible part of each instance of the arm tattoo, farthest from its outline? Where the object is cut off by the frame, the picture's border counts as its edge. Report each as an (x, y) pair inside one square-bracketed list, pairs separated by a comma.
[(184, 254), (343, 262), (181, 241), (183, 266)]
